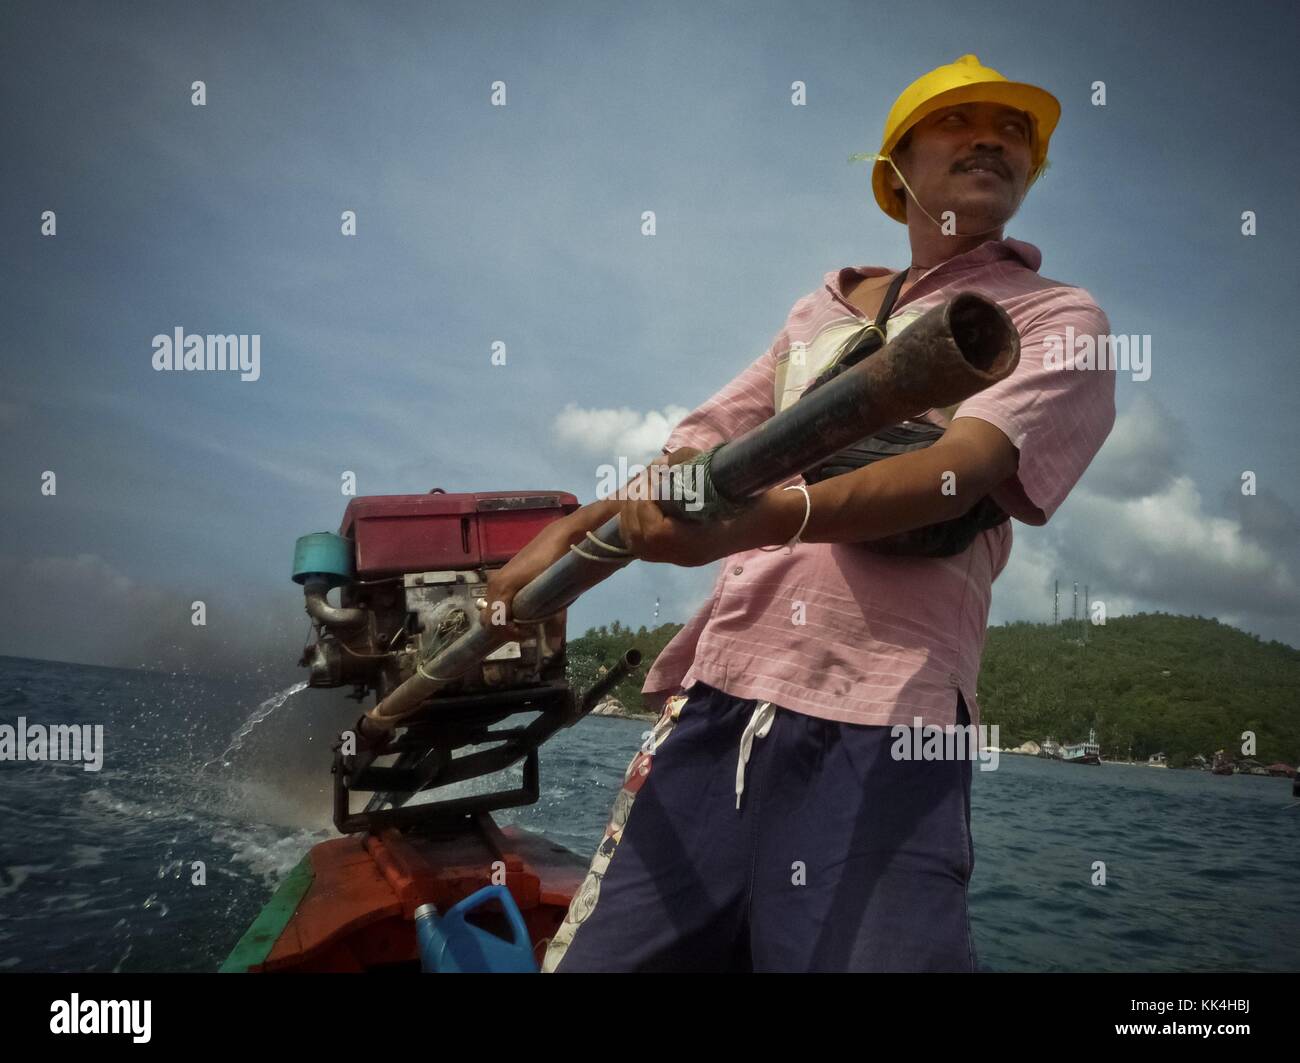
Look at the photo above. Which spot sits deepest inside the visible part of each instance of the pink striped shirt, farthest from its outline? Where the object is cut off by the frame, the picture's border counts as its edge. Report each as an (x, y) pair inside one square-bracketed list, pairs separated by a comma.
[(836, 631)]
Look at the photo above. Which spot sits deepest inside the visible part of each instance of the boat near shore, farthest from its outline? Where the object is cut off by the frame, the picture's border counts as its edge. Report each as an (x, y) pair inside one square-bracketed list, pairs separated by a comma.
[(1088, 752)]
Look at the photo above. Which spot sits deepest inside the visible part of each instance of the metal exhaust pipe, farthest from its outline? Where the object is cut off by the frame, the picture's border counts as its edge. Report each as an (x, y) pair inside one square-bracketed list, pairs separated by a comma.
[(630, 661)]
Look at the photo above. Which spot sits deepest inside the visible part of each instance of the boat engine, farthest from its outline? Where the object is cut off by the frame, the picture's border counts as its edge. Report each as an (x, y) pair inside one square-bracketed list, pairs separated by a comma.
[(410, 571)]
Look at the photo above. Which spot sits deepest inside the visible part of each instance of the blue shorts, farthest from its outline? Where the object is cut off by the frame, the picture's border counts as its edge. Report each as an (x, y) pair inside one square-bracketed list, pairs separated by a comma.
[(839, 857)]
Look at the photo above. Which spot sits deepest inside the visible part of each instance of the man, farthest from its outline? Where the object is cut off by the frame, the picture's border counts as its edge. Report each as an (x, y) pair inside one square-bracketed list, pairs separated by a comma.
[(770, 823)]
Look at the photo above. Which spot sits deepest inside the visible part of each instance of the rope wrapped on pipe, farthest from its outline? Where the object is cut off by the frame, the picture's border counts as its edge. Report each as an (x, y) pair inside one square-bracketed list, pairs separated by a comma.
[(693, 481)]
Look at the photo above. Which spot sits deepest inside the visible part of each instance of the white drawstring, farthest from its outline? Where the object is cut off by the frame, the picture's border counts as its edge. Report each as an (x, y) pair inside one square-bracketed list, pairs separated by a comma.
[(759, 724)]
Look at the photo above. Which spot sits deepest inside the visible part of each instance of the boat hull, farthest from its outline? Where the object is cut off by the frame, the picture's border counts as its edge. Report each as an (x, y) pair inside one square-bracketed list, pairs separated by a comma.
[(349, 906), (1087, 758)]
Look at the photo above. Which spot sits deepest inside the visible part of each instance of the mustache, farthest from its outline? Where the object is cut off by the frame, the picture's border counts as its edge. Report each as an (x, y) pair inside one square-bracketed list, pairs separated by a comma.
[(986, 162)]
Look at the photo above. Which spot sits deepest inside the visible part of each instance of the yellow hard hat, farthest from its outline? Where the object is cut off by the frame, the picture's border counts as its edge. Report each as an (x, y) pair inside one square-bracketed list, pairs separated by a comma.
[(965, 81)]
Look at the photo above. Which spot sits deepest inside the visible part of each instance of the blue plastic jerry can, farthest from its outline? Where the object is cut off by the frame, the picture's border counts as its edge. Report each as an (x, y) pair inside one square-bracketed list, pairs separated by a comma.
[(450, 945)]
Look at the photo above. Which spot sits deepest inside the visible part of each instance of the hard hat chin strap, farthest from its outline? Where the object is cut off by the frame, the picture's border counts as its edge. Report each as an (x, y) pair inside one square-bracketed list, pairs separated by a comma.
[(908, 188)]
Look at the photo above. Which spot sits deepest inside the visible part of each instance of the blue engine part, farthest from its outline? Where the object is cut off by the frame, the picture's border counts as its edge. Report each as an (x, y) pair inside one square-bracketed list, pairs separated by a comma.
[(323, 555)]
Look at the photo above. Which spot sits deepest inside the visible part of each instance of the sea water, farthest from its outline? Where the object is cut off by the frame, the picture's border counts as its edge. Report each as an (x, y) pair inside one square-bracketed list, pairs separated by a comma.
[(211, 790)]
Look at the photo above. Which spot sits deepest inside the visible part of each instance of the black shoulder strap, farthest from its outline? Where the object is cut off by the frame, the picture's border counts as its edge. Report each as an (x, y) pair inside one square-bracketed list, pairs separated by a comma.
[(891, 297), (874, 339)]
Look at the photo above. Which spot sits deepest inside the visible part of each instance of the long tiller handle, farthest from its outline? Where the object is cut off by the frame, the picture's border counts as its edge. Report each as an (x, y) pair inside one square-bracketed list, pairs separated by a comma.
[(948, 354)]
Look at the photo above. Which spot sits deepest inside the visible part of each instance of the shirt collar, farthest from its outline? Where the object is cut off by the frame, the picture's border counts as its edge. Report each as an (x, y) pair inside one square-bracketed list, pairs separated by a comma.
[(985, 254)]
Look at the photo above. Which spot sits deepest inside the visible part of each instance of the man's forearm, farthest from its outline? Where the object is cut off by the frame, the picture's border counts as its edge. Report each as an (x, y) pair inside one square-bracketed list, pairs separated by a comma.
[(882, 499), (887, 497), (890, 496)]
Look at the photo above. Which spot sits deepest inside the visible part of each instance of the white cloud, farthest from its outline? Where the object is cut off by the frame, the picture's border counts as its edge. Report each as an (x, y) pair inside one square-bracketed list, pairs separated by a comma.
[(1142, 454), (1165, 547), (1138, 532), (1022, 591), (611, 433), (1160, 552)]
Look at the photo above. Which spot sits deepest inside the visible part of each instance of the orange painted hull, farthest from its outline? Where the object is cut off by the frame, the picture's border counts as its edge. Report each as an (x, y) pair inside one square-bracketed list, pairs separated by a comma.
[(357, 913)]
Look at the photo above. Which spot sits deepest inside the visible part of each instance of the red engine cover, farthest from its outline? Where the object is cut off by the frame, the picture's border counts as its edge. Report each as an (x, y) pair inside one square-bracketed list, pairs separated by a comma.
[(393, 534)]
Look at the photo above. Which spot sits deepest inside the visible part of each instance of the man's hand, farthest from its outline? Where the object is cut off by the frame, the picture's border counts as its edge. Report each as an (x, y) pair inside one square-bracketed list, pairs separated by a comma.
[(654, 536), (548, 546)]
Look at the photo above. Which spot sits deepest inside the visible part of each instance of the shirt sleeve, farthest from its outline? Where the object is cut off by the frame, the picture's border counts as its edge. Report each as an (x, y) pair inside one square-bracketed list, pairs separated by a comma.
[(741, 405), (1057, 415)]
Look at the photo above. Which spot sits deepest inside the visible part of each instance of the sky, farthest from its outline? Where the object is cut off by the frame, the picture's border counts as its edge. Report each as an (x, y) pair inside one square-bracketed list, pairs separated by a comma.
[(522, 225)]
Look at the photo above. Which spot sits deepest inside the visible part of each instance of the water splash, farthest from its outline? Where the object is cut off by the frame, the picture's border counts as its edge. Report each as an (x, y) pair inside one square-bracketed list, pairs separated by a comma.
[(259, 714)]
